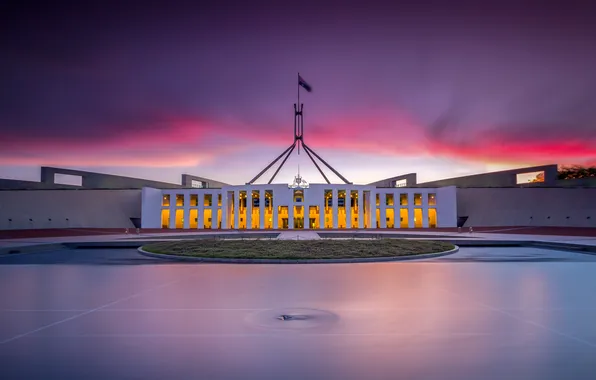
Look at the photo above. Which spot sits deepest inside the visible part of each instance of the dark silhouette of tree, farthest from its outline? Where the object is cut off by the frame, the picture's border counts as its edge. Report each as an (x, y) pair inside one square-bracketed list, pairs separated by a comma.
[(576, 171), (539, 178)]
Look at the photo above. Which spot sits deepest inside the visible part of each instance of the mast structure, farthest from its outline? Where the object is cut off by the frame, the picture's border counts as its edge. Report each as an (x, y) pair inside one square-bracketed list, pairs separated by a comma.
[(298, 141)]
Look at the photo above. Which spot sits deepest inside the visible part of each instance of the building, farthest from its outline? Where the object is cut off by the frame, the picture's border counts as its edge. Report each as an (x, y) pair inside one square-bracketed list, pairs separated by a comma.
[(316, 206), (522, 197)]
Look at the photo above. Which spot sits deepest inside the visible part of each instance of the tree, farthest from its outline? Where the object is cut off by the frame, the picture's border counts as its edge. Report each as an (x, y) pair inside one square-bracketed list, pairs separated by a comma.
[(576, 171)]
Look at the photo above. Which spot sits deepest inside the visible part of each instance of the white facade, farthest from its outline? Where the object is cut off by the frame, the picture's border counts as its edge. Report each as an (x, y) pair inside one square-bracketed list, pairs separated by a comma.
[(320, 206)]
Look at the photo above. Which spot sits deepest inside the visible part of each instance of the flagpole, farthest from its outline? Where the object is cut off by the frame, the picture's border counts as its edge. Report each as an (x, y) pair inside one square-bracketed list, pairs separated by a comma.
[(298, 91), (298, 109)]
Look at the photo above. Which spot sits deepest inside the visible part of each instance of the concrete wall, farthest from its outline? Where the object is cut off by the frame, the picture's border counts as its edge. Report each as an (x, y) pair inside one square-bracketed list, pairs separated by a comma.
[(16, 184), (103, 181), (492, 207), (151, 200), (498, 179), (211, 184), (390, 182), (81, 208)]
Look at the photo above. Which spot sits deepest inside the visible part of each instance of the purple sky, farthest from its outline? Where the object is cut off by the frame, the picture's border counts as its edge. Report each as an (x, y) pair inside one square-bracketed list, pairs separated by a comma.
[(155, 90)]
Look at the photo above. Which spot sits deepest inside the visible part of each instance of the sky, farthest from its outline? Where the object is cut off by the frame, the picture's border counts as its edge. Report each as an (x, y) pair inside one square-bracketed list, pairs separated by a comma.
[(156, 89)]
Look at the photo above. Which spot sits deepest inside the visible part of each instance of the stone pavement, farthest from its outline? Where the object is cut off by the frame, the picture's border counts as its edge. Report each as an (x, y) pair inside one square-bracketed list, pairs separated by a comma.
[(29, 244)]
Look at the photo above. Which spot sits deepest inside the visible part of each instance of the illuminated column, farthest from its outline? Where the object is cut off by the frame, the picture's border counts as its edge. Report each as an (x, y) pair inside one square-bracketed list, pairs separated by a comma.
[(275, 211), (373, 209), (360, 209), (321, 204), (291, 215), (261, 209), (201, 211), (305, 215), (424, 210), (186, 214), (348, 207), (383, 213), (224, 209), (396, 211), (214, 220), (172, 211), (334, 209), (248, 208), (236, 209), (411, 214)]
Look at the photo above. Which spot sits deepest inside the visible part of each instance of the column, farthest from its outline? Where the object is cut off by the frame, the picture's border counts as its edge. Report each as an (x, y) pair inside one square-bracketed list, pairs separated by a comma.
[(172, 211), (306, 213), (348, 208), (360, 209), (424, 210), (373, 209), (321, 203), (236, 209), (201, 211), (275, 212), (383, 213), (411, 210), (261, 209), (186, 215), (214, 211), (396, 210), (248, 208), (291, 215), (334, 209), (224, 210)]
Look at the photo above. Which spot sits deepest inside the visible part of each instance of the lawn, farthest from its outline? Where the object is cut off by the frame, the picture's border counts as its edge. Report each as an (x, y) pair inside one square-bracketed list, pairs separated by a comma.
[(298, 249)]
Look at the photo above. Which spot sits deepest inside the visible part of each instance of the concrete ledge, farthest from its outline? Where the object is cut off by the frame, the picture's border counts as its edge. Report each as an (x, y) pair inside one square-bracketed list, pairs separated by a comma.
[(33, 248), (295, 261)]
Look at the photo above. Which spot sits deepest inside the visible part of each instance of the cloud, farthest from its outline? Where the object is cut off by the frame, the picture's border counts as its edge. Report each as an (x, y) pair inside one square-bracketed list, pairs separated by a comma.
[(190, 88)]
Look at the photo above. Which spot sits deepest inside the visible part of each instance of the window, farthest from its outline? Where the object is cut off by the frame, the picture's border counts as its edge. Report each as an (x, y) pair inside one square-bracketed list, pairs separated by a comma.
[(197, 184), (388, 199), (68, 179), (219, 200), (400, 183), (341, 198), (328, 198), (208, 201), (403, 199), (165, 201), (298, 196), (179, 199), (194, 200), (432, 199), (533, 177), (378, 200), (417, 199)]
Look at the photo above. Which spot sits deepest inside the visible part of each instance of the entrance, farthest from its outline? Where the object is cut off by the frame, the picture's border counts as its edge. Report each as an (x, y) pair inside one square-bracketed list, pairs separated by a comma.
[(299, 223)]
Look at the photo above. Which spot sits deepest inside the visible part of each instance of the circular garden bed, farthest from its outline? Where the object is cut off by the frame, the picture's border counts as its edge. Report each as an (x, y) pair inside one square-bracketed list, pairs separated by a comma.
[(297, 250)]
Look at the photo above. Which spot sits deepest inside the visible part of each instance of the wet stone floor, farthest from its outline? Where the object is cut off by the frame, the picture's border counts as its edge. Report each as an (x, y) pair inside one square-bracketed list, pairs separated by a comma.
[(483, 313)]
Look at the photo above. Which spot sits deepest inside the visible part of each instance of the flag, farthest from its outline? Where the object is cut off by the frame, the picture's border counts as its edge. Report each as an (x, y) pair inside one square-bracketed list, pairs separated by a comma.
[(302, 82)]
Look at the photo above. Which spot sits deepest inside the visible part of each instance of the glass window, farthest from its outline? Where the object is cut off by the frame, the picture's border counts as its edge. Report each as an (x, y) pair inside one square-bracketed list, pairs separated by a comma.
[(194, 200), (165, 201), (403, 199), (219, 199), (388, 199), (341, 198), (378, 200), (432, 199), (417, 199), (208, 200), (179, 199)]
